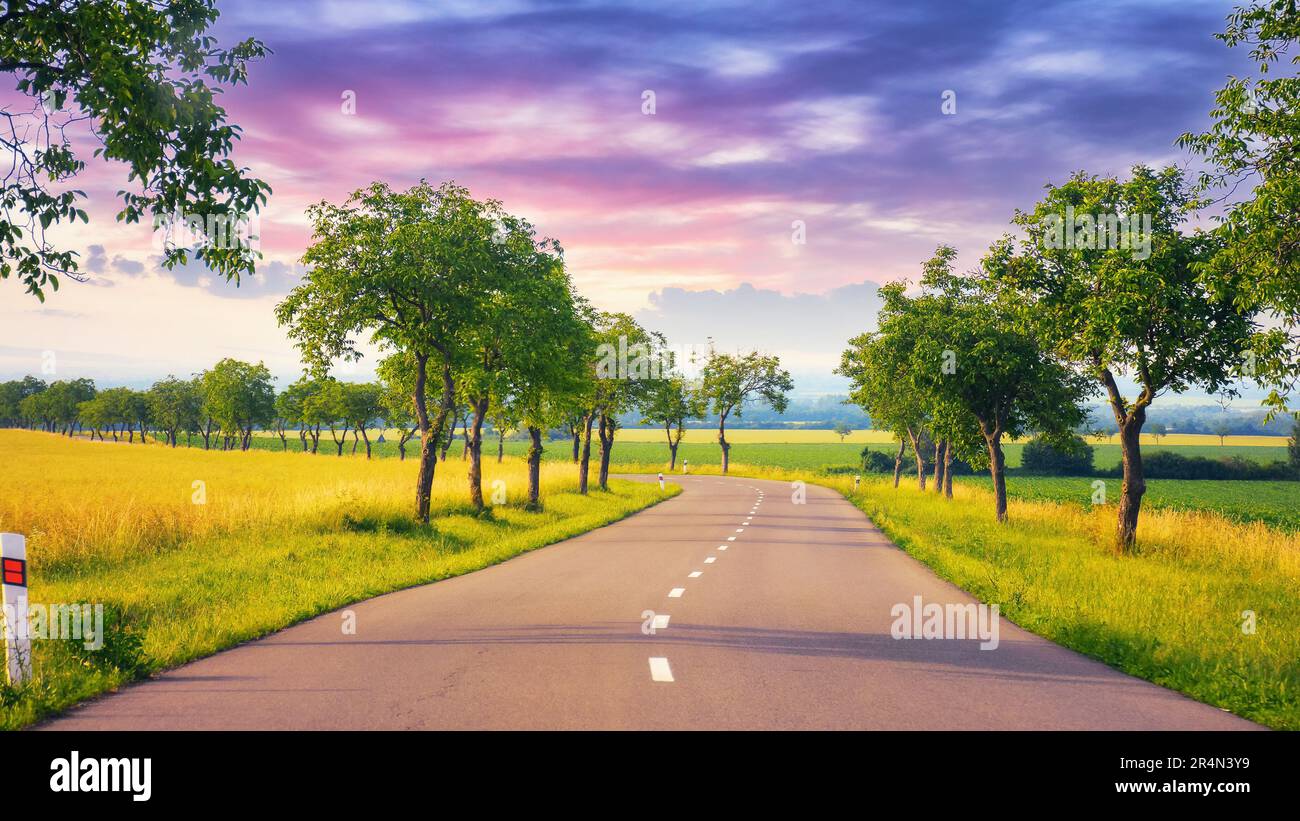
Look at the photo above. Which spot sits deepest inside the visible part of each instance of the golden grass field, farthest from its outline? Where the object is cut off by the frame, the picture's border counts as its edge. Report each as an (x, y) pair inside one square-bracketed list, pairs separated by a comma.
[(277, 538)]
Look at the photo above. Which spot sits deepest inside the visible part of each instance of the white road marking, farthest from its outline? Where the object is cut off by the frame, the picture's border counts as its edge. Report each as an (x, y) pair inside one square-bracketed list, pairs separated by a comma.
[(676, 592), (659, 669), (722, 547), (731, 538), (695, 574), (740, 530), (711, 560), (661, 622)]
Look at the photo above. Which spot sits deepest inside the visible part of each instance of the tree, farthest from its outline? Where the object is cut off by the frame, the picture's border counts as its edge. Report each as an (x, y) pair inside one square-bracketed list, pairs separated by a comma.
[(842, 430), (362, 405), (12, 395), (628, 360), (975, 358), (1221, 427), (58, 405), (145, 75), (728, 382), (1251, 146), (397, 383), (290, 406), (1293, 448), (525, 287), (238, 397), (1157, 430), (877, 365), (175, 405), (405, 268), (668, 404), (1143, 311)]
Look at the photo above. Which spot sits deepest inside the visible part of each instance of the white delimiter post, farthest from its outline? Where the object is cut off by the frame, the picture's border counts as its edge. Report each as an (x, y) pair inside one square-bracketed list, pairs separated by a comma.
[(13, 572)]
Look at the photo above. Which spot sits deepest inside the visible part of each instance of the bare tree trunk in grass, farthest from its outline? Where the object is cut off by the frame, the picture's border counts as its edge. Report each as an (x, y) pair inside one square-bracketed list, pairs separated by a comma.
[(938, 466), (606, 448), (474, 447), (947, 469), (917, 448), (534, 469), (585, 462), (898, 460), (997, 469)]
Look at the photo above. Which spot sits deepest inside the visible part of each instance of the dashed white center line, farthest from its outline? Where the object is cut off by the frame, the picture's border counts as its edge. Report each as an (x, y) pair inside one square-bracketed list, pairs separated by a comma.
[(740, 530), (695, 574), (659, 669), (731, 538), (711, 560), (661, 622), (676, 592), (722, 547)]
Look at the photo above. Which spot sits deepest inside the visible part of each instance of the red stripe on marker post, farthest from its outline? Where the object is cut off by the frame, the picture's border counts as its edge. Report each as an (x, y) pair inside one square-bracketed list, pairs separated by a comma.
[(13, 620)]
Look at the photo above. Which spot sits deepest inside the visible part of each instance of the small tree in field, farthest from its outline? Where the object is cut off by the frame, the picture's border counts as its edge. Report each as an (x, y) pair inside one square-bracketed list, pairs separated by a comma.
[(1143, 310), (397, 384), (175, 405), (728, 381), (842, 430), (668, 404)]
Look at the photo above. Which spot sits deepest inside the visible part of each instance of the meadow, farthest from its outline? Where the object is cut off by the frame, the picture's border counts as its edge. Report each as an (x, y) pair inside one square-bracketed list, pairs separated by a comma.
[(192, 551)]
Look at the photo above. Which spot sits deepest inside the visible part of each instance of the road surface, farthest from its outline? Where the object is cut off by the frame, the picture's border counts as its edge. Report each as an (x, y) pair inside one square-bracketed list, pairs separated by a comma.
[(771, 614)]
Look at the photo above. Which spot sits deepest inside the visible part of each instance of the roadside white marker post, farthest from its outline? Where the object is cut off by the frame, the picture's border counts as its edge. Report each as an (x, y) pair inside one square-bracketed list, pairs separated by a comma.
[(856, 479), (686, 466), (661, 480), (13, 573)]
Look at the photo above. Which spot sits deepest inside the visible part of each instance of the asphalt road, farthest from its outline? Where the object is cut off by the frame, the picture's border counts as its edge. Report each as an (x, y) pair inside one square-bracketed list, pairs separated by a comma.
[(771, 614)]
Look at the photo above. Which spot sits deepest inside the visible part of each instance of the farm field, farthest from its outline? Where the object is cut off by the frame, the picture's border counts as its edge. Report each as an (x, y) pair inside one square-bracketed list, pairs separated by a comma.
[(803, 449), (193, 551), (1274, 503)]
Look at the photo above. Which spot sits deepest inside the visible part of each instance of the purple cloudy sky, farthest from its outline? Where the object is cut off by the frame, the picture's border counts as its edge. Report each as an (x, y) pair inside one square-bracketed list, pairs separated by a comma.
[(765, 113)]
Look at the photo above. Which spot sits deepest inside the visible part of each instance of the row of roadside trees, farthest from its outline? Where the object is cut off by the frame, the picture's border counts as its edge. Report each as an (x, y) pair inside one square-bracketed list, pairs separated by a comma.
[(473, 310)]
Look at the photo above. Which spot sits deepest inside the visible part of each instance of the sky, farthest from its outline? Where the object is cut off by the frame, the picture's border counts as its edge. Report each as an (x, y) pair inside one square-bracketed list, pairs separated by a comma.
[(769, 121)]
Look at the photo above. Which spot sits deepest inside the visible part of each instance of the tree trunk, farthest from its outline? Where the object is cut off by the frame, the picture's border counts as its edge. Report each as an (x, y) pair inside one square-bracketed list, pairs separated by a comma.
[(577, 441), (938, 466), (355, 441), (672, 456), (474, 447), (429, 435), (365, 436), (997, 470), (606, 448), (722, 440), (501, 446), (207, 435), (534, 469), (916, 437), (898, 460), (585, 461), (1130, 500), (947, 469)]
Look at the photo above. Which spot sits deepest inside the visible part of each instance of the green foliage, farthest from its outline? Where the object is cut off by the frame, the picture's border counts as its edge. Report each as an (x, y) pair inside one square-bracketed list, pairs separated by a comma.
[(1073, 457), (1251, 148), (147, 75)]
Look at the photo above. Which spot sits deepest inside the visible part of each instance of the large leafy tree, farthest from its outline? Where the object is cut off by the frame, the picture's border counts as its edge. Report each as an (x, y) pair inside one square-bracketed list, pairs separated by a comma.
[(728, 381), (1152, 317), (403, 267), (977, 359), (624, 360), (144, 75), (1253, 146), (12, 395)]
